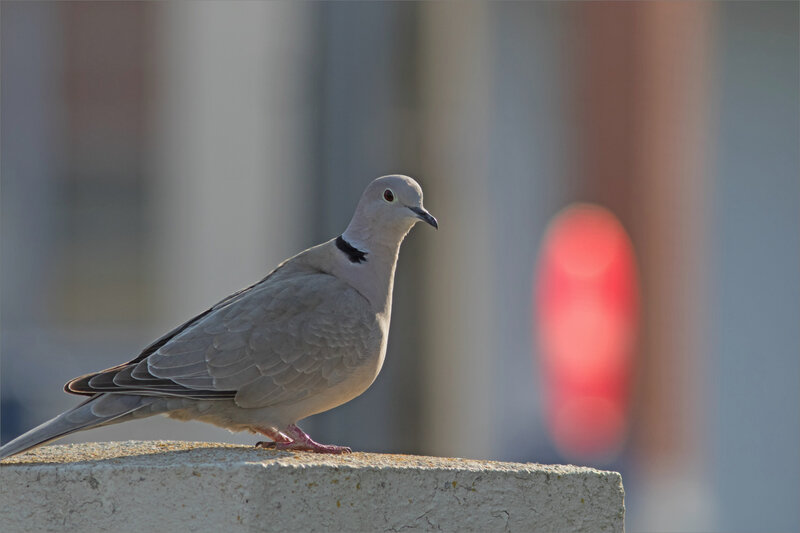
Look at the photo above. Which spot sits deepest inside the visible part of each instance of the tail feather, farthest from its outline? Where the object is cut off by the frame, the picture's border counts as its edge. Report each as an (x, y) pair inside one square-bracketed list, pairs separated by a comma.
[(98, 410)]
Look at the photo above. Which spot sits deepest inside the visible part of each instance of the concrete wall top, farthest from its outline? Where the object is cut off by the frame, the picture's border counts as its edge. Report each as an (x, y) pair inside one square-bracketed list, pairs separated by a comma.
[(189, 486)]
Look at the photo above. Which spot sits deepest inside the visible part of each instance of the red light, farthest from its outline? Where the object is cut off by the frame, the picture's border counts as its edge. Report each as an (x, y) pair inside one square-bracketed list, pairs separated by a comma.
[(587, 303)]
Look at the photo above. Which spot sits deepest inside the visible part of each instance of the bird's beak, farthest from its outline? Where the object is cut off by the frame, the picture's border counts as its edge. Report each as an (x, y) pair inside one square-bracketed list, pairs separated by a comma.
[(424, 215)]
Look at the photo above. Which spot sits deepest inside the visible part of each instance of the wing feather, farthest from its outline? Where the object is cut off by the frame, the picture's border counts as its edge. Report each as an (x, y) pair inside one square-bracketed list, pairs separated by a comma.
[(289, 337)]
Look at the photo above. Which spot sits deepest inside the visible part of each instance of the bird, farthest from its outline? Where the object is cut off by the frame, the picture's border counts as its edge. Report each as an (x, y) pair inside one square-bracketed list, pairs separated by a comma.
[(310, 336)]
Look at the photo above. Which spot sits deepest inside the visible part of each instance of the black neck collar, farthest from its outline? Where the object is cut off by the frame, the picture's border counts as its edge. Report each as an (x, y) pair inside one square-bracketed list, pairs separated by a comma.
[(353, 254)]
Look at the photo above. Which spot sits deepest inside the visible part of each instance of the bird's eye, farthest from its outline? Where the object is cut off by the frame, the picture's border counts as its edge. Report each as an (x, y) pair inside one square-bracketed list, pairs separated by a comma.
[(388, 195)]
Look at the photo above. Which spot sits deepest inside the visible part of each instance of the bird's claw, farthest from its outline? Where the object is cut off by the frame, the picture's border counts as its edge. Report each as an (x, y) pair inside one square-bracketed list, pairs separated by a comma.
[(304, 447), (313, 447), (296, 440)]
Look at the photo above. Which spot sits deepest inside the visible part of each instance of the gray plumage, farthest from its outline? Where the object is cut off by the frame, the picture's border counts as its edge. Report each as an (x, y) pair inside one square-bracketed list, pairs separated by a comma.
[(308, 337)]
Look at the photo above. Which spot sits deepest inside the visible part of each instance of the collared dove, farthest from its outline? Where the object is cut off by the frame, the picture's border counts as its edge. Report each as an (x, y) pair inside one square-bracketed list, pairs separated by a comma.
[(308, 337)]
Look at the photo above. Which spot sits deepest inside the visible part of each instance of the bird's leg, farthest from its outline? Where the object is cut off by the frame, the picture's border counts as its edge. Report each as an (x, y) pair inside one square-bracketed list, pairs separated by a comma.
[(302, 442), (273, 434)]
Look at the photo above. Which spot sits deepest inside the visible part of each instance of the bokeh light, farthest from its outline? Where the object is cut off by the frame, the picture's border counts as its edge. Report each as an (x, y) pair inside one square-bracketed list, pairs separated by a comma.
[(587, 299)]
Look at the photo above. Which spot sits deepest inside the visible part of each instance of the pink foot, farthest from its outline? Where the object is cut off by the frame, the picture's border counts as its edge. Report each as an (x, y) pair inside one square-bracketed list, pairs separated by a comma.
[(276, 437), (300, 441)]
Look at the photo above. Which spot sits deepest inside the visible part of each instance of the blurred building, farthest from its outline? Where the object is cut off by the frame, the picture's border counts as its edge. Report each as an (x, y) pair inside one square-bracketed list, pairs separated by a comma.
[(159, 156)]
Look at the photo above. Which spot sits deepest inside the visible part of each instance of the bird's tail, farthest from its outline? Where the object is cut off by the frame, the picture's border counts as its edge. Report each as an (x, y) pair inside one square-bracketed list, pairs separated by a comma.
[(98, 410)]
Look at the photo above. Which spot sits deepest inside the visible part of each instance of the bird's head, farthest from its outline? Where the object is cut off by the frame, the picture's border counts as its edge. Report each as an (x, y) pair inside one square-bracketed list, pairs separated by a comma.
[(388, 209)]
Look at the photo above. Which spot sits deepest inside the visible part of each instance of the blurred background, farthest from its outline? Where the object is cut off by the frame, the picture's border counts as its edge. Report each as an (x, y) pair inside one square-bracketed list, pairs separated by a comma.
[(616, 280)]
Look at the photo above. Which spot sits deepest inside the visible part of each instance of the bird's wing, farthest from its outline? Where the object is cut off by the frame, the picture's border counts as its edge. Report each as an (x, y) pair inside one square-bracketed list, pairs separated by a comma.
[(80, 385), (287, 338)]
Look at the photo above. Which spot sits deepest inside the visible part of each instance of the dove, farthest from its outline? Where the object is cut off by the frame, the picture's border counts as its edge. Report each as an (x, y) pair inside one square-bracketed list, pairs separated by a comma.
[(308, 337)]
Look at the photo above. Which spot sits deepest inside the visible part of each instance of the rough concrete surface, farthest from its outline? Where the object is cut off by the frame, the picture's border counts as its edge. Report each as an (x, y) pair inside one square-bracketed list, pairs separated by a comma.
[(189, 486)]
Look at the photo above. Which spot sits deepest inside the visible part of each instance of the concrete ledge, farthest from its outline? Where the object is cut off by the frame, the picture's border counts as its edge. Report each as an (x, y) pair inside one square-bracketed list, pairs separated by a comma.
[(183, 486)]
